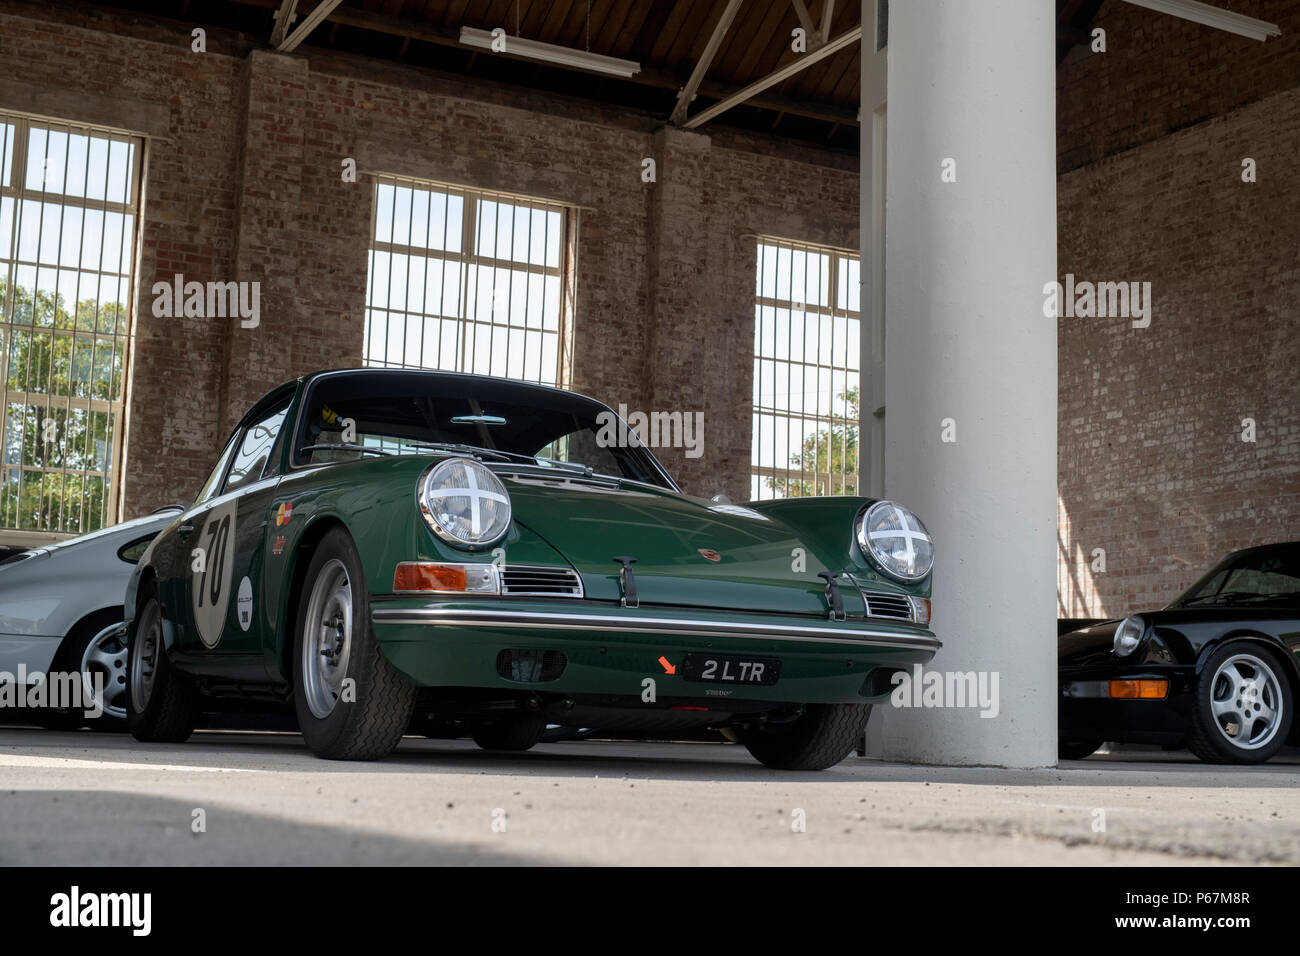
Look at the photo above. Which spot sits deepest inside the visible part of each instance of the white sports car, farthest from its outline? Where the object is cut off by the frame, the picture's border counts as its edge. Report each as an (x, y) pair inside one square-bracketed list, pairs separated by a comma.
[(61, 613)]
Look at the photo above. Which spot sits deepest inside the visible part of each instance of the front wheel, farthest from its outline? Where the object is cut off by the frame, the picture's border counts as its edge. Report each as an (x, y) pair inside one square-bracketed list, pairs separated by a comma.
[(1243, 709), (162, 705), (1077, 749), (96, 651), (351, 703), (821, 737)]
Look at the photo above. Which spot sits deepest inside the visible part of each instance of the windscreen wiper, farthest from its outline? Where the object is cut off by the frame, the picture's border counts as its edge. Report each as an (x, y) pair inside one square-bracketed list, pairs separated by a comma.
[(475, 450), (1233, 597), (344, 446), (576, 467)]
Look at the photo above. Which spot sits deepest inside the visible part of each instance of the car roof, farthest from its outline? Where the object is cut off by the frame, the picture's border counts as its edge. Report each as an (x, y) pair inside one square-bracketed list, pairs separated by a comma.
[(1263, 547), (463, 378)]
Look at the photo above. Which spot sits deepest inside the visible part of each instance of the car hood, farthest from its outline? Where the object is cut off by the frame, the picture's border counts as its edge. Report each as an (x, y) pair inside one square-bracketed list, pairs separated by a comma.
[(673, 538), (1087, 646), (1175, 627)]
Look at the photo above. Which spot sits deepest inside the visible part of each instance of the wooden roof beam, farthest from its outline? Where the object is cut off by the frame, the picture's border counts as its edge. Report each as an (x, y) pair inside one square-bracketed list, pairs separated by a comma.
[(687, 92), (779, 76)]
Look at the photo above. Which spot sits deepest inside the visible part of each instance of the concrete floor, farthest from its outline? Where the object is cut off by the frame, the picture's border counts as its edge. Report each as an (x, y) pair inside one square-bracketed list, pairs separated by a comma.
[(88, 798)]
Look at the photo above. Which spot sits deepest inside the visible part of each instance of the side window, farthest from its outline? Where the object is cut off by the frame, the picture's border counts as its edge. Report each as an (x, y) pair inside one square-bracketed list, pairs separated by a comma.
[(213, 483), (133, 552), (254, 449)]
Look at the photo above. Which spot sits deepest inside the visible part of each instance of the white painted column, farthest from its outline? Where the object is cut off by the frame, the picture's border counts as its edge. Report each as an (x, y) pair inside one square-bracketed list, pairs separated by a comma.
[(967, 340)]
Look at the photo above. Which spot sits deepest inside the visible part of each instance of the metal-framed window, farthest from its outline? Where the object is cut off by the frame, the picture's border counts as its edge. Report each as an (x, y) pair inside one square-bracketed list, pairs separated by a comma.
[(806, 370), (467, 280), (69, 211)]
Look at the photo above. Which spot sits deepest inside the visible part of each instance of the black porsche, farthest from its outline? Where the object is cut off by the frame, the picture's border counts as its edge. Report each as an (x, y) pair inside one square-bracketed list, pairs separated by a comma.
[(1217, 671)]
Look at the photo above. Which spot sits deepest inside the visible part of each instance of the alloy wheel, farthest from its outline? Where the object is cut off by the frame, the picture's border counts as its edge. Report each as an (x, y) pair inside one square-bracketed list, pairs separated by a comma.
[(327, 639), (144, 650), (1246, 701), (103, 670)]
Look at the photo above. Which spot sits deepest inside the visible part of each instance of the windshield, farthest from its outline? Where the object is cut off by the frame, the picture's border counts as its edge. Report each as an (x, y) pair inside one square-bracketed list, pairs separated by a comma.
[(349, 414), (1263, 576)]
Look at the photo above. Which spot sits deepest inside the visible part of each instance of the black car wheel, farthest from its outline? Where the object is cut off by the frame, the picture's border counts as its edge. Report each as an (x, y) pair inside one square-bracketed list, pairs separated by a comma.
[(1077, 749), (162, 704), (509, 733), (821, 737), (351, 703), (1243, 708)]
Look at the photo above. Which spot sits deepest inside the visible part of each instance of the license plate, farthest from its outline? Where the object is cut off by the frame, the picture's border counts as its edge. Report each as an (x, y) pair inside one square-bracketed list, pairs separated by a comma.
[(731, 669)]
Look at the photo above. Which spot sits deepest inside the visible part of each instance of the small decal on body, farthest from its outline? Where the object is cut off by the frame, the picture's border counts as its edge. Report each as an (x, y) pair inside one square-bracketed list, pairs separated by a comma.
[(278, 547), (244, 604), (283, 513)]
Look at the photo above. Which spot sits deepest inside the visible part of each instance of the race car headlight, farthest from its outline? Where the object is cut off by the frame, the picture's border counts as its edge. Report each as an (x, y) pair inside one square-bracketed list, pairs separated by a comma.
[(1128, 635), (464, 503), (897, 541)]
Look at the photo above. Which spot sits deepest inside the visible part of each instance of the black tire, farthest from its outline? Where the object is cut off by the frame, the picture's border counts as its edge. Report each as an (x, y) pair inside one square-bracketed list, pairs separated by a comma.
[(820, 738), (371, 723), (1077, 749), (70, 658), (1205, 735), (65, 661), (162, 706), (509, 733), (48, 718)]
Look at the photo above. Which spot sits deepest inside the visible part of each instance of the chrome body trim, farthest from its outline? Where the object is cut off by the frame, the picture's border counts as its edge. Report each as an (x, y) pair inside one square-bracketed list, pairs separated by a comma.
[(506, 617)]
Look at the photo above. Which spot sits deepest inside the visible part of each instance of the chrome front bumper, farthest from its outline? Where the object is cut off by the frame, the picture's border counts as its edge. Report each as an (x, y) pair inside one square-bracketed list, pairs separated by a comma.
[(839, 632)]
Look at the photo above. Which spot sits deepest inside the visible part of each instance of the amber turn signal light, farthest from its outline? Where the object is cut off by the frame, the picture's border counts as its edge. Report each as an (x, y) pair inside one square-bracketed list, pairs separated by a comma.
[(425, 576), (1139, 689)]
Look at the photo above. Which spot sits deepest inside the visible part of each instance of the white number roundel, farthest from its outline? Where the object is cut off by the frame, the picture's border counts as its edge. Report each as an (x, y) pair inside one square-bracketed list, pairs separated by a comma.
[(210, 587)]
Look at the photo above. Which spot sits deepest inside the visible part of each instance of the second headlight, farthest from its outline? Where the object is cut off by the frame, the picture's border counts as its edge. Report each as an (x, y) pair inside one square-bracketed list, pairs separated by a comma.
[(897, 540), (1128, 636), (464, 503)]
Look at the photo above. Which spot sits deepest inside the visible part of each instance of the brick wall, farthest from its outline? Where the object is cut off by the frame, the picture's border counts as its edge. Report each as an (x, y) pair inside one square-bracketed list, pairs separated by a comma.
[(1153, 468), (243, 183), (1161, 74)]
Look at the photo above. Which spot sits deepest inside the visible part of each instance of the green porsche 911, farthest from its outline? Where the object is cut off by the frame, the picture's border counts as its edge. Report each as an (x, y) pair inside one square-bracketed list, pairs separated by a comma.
[(387, 551)]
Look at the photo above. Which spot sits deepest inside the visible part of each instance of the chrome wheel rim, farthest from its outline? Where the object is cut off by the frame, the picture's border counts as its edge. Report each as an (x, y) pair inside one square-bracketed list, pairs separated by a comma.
[(1246, 701), (144, 652), (104, 661), (326, 639)]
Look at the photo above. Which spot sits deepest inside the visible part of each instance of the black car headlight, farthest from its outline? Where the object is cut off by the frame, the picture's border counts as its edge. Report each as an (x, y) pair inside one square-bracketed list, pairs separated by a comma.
[(463, 503), (1128, 636), (896, 540)]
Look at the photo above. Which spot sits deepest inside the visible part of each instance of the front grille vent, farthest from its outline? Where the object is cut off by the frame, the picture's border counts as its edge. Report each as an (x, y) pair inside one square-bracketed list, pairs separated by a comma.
[(883, 604), (524, 581)]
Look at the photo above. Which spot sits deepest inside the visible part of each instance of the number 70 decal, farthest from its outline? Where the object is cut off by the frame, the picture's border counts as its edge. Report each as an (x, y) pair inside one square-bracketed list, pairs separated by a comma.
[(211, 571)]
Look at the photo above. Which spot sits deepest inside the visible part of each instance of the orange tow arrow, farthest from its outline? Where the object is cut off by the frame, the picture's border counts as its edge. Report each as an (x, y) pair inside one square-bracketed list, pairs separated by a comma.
[(669, 668)]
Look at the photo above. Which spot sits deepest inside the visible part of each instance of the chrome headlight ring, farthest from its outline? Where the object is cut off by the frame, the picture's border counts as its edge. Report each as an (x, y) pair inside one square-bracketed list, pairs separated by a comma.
[(894, 539), (463, 503)]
